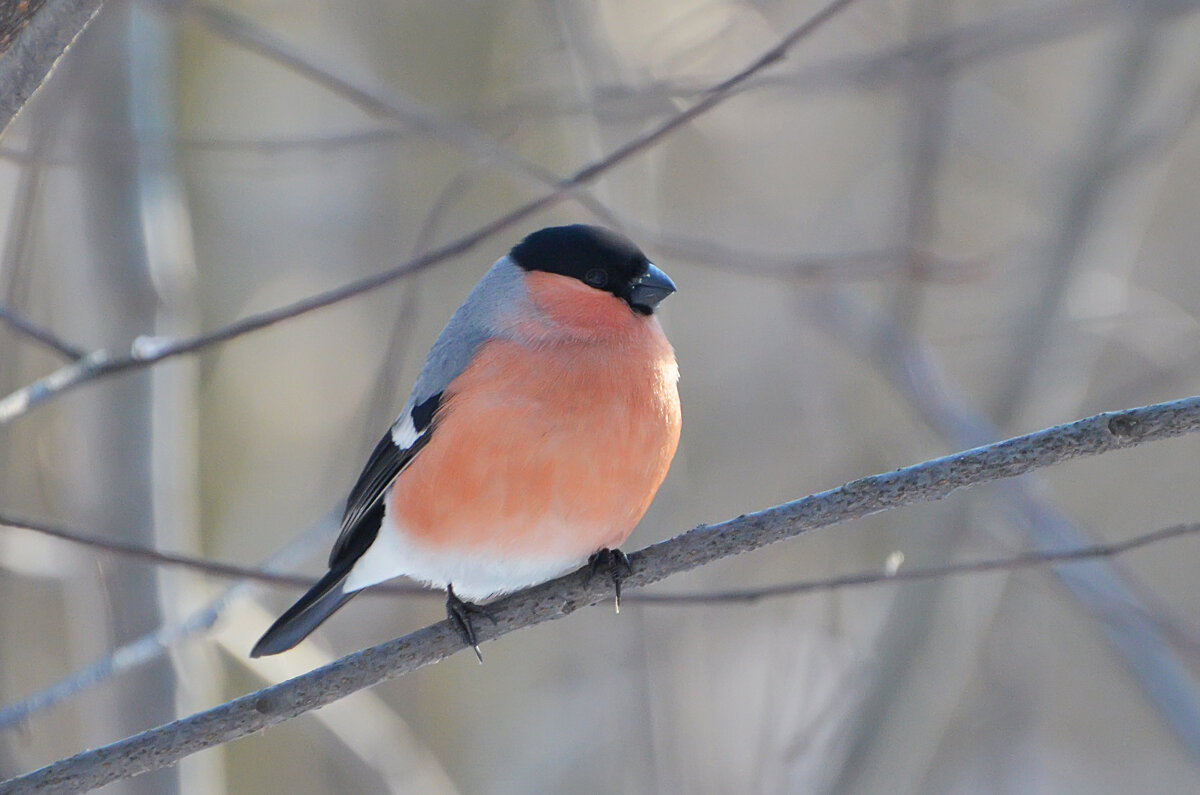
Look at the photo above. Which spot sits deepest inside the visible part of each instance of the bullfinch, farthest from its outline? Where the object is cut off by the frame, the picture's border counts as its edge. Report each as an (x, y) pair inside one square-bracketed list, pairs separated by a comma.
[(543, 422)]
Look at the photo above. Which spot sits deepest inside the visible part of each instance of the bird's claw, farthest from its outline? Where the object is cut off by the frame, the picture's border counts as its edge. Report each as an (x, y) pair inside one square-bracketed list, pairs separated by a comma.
[(616, 563), (459, 613)]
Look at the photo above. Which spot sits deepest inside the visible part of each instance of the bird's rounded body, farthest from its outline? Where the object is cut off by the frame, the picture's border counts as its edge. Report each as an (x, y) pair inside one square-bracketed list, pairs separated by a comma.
[(541, 427), (548, 447)]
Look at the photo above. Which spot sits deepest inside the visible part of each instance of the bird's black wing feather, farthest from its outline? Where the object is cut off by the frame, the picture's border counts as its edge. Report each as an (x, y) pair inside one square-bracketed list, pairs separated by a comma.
[(364, 509)]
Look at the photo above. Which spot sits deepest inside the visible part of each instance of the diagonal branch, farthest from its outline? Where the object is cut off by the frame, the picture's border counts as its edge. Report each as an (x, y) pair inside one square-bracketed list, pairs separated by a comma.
[(142, 553), (372, 99), (102, 364), (1025, 560), (1144, 637), (43, 336), (157, 642), (32, 42), (250, 574), (932, 480)]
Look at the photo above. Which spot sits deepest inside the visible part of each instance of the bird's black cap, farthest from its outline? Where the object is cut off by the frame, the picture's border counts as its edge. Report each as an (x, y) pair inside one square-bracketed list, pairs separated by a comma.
[(599, 258)]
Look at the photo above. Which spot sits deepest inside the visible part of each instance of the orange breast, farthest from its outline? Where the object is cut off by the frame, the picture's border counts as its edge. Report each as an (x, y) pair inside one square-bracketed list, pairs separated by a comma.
[(545, 450)]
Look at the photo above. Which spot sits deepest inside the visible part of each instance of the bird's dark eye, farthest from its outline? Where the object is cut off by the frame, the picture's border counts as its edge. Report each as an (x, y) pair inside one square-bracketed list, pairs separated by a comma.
[(596, 277)]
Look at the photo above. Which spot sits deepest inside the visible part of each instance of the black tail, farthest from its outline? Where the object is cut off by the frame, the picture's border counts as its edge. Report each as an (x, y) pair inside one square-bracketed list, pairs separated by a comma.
[(322, 600)]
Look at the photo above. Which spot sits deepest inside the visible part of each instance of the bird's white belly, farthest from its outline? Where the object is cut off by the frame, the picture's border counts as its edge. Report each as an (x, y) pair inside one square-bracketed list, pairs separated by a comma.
[(475, 575)]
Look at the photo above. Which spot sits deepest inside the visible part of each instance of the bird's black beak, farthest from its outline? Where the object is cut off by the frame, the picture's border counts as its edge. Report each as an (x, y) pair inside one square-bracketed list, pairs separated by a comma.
[(646, 291)]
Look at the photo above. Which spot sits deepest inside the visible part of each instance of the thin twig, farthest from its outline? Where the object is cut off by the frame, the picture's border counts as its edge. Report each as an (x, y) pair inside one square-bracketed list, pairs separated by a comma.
[(1000, 36), (373, 99), (932, 480), (102, 364), (1024, 560), (15, 260), (1142, 635), (152, 645), (139, 552), (842, 267), (42, 336), (1076, 224)]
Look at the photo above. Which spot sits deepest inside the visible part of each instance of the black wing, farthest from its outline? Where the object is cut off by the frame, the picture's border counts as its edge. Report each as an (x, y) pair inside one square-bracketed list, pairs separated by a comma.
[(364, 507)]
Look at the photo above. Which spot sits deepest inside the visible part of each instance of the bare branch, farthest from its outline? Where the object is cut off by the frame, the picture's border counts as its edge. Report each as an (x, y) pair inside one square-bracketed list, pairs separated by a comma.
[(1139, 631), (1025, 560), (138, 552), (844, 266), (960, 47), (32, 44), (1022, 561), (91, 367), (44, 337), (376, 100), (129, 655), (102, 364), (154, 644), (1078, 215), (15, 260), (932, 480), (1008, 32)]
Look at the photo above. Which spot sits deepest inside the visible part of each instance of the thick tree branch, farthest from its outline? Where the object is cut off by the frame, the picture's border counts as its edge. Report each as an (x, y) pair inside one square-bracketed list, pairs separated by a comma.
[(33, 44), (932, 480)]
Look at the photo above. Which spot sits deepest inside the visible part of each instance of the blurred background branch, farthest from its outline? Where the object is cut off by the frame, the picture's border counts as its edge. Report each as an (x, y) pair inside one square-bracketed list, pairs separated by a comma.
[(890, 574), (151, 350)]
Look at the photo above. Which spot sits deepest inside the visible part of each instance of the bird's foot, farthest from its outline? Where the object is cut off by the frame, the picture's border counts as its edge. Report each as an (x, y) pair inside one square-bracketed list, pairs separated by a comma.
[(616, 564), (460, 613)]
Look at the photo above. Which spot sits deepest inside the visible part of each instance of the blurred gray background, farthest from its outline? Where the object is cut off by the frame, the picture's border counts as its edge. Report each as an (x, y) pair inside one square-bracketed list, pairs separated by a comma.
[(933, 224)]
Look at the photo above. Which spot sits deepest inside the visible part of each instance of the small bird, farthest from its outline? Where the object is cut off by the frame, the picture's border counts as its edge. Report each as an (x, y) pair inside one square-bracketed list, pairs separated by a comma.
[(539, 430)]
